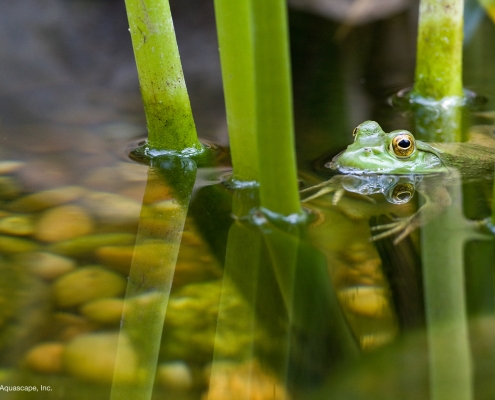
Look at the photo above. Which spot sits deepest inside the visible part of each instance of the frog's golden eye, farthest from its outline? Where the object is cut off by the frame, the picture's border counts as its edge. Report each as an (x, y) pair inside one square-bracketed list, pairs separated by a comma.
[(402, 193), (403, 145), (354, 132)]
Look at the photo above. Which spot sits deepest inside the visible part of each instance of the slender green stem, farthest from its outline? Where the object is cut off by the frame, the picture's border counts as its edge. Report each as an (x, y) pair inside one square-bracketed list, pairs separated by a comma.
[(274, 120), (439, 53), (442, 243), (236, 55), (151, 275), (166, 103)]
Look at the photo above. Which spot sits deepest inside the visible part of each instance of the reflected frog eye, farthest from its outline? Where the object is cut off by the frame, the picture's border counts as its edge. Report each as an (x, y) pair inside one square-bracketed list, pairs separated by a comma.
[(403, 145), (400, 193), (403, 193)]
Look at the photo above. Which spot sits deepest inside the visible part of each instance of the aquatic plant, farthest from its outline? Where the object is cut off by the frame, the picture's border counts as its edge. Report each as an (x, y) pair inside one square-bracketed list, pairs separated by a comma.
[(168, 112), (437, 95)]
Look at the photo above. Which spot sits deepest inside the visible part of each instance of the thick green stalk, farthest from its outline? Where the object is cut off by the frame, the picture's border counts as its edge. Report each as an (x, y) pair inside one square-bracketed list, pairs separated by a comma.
[(163, 89), (236, 55), (437, 93), (439, 54), (274, 120), (151, 274), (442, 243)]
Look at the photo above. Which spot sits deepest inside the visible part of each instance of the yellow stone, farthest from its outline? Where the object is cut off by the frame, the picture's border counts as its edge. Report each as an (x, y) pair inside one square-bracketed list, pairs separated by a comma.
[(105, 311), (93, 357), (46, 265), (47, 198), (88, 244), (111, 208), (14, 245), (45, 358), (87, 284), (174, 375), (118, 258), (18, 225), (8, 167), (63, 223)]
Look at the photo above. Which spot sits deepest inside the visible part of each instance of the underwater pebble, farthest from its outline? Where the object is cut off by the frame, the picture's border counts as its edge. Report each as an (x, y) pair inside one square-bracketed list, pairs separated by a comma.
[(13, 245), (111, 208), (86, 284), (47, 198), (174, 375), (65, 326), (118, 258), (105, 311), (63, 223), (85, 245), (8, 167), (9, 188), (228, 381), (47, 266), (93, 357), (17, 225), (45, 358), (370, 301)]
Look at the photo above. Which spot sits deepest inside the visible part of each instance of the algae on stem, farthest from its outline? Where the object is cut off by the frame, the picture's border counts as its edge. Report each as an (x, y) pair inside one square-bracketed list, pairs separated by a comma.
[(437, 96), (439, 53), (166, 102)]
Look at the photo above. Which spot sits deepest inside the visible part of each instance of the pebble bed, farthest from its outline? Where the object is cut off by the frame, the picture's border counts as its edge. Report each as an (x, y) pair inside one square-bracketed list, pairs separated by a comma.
[(67, 240)]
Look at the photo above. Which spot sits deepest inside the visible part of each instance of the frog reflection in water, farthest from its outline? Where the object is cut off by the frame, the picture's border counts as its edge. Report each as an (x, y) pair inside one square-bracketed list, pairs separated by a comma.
[(395, 163)]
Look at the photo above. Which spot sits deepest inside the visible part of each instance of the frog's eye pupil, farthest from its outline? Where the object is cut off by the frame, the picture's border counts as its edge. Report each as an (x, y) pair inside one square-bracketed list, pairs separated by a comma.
[(402, 145)]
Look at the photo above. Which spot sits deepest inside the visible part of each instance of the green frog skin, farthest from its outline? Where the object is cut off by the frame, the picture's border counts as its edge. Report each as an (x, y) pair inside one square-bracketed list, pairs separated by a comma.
[(398, 152), (394, 163)]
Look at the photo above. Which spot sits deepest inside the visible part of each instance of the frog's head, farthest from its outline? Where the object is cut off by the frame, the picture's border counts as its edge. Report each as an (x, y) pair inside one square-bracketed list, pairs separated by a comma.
[(375, 151)]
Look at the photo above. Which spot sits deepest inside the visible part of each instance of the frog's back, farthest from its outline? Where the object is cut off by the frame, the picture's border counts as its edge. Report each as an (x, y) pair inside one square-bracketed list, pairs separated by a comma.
[(471, 159)]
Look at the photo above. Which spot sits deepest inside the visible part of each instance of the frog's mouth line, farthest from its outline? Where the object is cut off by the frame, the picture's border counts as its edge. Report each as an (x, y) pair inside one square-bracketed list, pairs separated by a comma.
[(440, 166)]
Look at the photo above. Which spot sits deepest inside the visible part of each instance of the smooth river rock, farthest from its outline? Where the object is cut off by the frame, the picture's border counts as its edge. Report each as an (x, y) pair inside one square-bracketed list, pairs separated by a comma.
[(92, 357), (63, 223), (86, 284), (104, 311)]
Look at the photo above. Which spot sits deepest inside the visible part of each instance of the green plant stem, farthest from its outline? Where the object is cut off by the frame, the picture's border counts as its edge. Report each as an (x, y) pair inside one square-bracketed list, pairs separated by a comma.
[(437, 93), (439, 53), (442, 243), (235, 39), (151, 275), (274, 120), (163, 89)]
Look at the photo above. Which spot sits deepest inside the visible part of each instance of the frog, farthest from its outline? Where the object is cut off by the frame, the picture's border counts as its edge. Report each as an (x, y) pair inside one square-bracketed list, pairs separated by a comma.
[(396, 163)]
